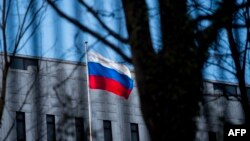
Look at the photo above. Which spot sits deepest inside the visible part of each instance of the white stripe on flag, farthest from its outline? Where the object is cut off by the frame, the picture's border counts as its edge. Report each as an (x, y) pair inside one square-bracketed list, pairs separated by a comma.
[(95, 57)]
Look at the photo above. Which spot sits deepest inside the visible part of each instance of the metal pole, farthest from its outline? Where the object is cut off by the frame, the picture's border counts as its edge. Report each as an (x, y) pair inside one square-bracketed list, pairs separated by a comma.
[(89, 100)]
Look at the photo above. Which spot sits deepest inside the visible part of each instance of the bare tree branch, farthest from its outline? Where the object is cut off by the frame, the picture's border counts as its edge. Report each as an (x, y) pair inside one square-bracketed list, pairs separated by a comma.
[(93, 33), (23, 26), (110, 31)]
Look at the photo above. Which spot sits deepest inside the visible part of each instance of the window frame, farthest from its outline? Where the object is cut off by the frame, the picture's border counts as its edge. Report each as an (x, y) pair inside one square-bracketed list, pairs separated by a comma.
[(53, 127), (136, 131), (223, 89), (227, 91), (18, 122), (248, 92), (212, 136), (22, 63), (107, 130), (79, 122)]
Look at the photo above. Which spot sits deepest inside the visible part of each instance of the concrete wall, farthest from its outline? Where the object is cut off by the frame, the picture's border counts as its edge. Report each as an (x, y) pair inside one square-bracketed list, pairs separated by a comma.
[(59, 88), (216, 110)]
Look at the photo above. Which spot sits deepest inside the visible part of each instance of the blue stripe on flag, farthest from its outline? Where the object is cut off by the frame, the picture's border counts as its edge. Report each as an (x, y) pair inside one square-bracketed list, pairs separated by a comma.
[(99, 70)]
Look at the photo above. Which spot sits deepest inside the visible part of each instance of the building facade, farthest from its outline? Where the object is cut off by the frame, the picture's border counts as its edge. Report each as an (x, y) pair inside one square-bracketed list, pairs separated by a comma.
[(46, 96), (221, 109), (47, 100)]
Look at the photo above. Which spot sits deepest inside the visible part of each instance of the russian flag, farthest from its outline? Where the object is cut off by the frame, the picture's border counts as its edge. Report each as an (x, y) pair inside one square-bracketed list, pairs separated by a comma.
[(108, 75)]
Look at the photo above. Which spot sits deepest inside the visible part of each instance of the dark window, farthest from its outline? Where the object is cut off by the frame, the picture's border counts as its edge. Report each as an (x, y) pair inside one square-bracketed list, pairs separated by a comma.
[(17, 63), (80, 135), (23, 63), (218, 88), (51, 130), (20, 126), (212, 136), (107, 130), (230, 90), (248, 92), (134, 132), (225, 89)]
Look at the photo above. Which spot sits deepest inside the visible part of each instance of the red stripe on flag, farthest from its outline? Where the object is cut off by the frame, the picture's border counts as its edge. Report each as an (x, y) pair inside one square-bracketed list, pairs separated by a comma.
[(99, 82)]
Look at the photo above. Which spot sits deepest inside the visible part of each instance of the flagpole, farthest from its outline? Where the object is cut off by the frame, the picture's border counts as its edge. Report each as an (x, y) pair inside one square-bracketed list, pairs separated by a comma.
[(89, 100)]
